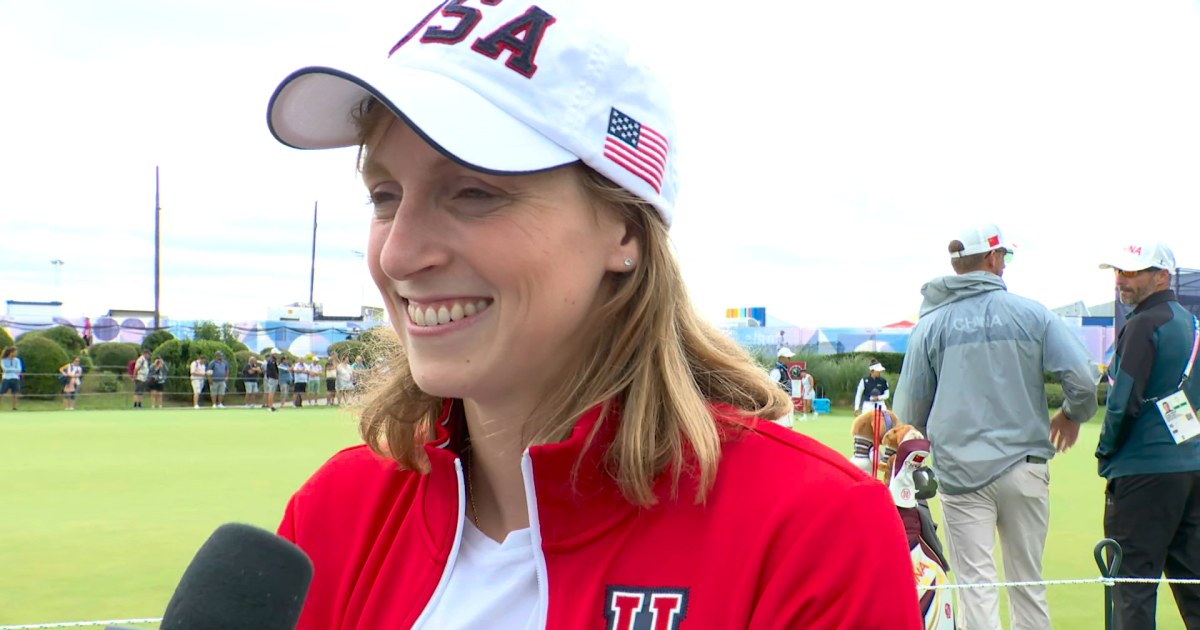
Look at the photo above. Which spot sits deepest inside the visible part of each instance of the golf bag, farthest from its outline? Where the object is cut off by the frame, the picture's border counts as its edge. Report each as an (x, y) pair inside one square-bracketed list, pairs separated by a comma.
[(912, 484)]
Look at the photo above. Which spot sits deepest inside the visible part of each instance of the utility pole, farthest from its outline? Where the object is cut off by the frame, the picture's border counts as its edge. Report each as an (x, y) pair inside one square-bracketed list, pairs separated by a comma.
[(157, 248), (58, 263), (312, 270)]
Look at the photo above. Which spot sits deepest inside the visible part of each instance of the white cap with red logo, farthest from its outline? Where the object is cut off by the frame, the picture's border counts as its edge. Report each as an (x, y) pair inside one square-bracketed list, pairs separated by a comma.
[(1142, 255), (502, 88), (980, 240)]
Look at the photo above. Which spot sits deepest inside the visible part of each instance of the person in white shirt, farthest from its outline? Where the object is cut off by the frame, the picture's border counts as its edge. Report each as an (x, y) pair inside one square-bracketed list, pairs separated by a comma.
[(345, 382), (198, 371), (72, 375), (300, 374), (806, 392), (141, 371)]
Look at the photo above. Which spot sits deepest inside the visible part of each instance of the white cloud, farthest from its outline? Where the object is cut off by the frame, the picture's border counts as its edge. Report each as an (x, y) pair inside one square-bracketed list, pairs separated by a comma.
[(830, 150)]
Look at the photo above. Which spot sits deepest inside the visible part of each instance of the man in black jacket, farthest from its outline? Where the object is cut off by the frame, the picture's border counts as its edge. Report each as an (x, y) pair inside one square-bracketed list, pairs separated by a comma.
[(1151, 457), (271, 379)]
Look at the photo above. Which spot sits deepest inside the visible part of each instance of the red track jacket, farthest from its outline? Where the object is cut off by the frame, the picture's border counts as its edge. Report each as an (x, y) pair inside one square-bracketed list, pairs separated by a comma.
[(791, 536)]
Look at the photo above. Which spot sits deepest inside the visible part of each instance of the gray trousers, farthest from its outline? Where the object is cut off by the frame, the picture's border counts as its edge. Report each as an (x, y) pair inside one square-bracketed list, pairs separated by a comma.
[(1017, 505)]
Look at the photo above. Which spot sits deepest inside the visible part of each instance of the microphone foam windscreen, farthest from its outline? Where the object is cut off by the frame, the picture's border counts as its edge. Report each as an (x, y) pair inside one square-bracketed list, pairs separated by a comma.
[(242, 577)]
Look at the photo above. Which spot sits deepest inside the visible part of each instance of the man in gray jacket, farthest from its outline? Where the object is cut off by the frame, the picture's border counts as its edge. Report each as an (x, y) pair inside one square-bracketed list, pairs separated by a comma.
[(972, 381)]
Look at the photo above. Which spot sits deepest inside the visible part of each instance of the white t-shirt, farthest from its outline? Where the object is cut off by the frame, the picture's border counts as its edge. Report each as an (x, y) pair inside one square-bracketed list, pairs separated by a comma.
[(806, 387), (491, 585), (300, 372), (141, 368)]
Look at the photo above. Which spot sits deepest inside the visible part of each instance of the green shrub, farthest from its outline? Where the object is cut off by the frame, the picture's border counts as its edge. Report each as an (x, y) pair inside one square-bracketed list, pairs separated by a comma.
[(266, 352), (206, 330), (891, 361), (155, 339), (381, 343), (174, 353), (114, 356), (349, 349), (102, 383), (243, 356), (85, 360), (836, 376), (1055, 397), (64, 336), (178, 354), (6, 340), (763, 356), (231, 339), (41, 358)]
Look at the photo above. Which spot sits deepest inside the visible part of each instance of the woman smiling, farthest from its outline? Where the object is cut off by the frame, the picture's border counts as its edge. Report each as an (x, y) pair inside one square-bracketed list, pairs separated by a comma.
[(560, 441)]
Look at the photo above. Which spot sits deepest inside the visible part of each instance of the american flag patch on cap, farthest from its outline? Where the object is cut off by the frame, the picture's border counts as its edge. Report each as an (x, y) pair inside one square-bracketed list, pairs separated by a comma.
[(636, 148)]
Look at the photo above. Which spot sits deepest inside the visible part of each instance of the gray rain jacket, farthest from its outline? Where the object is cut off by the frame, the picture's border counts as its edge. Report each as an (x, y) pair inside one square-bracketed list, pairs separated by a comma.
[(972, 379)]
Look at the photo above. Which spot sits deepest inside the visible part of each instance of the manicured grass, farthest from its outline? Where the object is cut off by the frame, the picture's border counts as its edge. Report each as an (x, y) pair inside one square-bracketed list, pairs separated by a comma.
[(100, 511)]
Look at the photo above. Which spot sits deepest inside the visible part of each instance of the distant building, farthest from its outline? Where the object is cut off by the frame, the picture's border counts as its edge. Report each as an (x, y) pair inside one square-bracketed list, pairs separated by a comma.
[(1099, 315), (1079, 309), (123, 314), (291, 313), (18, 310)]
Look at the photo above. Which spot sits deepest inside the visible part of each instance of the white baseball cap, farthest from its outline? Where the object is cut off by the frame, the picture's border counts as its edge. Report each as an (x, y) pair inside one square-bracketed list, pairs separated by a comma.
[(1142, 255), (785, 352), (505, 89), (876, 367), (980, 240)]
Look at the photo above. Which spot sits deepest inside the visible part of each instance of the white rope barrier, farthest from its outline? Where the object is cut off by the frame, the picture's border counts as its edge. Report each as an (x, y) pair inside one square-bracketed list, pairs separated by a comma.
[(82, 624), (1096, 580), (940, 587)]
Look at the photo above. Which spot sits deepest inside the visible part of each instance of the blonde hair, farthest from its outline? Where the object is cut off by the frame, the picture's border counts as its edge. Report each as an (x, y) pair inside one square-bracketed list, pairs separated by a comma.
[(649, 354)]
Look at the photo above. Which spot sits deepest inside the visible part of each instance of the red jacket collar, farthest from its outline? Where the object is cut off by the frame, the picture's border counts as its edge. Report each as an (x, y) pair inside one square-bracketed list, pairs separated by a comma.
[(574, 504)]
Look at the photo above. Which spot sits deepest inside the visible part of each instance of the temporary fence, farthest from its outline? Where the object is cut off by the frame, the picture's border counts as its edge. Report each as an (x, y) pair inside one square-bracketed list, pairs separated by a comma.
[(1109, 567), (317, 387), (298, 338)]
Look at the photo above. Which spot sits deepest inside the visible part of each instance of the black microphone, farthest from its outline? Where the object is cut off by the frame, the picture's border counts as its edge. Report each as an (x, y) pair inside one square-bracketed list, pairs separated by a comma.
[(242, 577)]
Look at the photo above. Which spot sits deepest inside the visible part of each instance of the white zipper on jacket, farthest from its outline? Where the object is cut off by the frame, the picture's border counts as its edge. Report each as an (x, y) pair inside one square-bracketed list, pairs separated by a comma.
[(450, 561), (535, 536)]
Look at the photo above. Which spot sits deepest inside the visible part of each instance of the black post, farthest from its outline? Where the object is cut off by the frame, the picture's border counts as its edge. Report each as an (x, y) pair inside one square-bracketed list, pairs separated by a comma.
[(1108, 570), (312, 270), (157, 248)]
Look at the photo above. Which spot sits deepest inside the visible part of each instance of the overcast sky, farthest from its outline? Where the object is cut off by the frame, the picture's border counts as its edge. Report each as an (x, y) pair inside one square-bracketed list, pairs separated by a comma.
[(829, 150)]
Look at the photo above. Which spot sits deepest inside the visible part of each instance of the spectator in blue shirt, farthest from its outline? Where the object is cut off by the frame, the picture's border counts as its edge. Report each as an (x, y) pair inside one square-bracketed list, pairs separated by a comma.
[(12, 368), (218, 374)]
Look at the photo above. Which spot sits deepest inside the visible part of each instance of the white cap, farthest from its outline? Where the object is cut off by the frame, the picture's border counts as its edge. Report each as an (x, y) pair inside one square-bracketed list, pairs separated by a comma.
[(980, 240), (785, 352), (1139, 256), (876, 367), (505, 89)]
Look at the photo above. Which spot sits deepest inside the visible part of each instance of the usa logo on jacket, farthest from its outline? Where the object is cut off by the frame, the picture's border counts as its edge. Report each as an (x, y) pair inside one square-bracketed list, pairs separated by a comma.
[(632, 608)]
